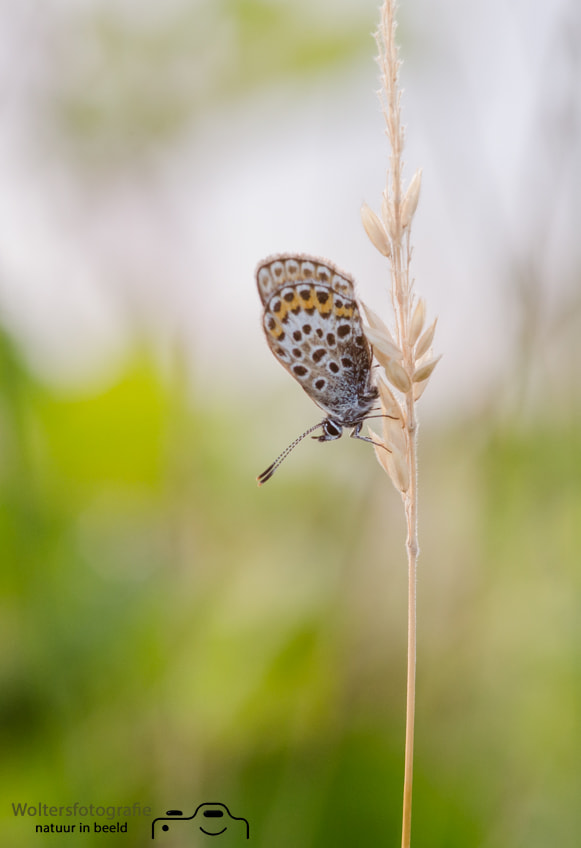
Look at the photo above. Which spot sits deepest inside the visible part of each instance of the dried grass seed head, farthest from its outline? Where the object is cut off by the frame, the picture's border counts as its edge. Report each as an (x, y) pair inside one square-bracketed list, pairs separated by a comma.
[(410, 201), (375, 230), (425, 370), (417, 322), (425, 342)]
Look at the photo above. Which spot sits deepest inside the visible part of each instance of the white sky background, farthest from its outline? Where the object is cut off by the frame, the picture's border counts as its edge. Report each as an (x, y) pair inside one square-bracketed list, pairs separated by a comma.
[(492, 109)]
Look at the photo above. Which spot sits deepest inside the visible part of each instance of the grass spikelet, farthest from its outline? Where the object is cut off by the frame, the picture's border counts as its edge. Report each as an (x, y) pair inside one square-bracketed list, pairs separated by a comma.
[(405, 356)]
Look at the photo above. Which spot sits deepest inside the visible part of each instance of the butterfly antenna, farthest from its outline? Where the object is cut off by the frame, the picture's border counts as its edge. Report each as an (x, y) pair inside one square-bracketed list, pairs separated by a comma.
[(266, 475), (382, 415)]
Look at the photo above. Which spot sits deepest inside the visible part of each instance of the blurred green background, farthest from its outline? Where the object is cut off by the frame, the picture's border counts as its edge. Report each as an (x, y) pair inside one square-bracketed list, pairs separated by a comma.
[(170, 634)]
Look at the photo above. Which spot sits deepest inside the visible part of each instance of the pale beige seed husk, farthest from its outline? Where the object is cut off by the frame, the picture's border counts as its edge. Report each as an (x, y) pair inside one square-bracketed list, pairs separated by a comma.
[(420, 388), (382, 359), (384, 207), (426, 340), (399, 472), (428, 355), (417, 322), (394, 435), (376, 323), (375, 230), (393, 419), (380, 453), (410, 201), (382, 343), (396, 375), (425, 370), (387, 214), (393, 464), (389, 400)]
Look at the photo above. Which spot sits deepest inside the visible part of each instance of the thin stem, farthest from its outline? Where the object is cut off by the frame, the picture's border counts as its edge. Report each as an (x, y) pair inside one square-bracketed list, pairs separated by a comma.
[(411, 509), (397, 222)]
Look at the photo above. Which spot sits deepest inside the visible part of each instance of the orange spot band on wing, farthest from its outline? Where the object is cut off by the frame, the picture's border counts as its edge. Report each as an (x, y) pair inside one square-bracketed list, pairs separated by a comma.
[(288, 306), (344, 312), (307, 302), (276, 333), (324, 308)]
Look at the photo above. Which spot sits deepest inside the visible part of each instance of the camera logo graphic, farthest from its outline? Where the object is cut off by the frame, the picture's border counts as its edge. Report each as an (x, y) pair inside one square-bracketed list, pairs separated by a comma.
[(211, 819)]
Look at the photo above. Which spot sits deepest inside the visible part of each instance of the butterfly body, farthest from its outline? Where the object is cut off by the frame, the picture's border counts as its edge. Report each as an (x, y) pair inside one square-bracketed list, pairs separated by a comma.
[(313, 327)]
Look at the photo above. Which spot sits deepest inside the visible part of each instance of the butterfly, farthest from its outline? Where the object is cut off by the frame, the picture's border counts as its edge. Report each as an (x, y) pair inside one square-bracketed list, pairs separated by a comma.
[(313, 327)]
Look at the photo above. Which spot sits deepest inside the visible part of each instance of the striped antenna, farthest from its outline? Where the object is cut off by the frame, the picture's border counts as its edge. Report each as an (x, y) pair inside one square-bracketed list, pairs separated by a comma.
[(266, 475)]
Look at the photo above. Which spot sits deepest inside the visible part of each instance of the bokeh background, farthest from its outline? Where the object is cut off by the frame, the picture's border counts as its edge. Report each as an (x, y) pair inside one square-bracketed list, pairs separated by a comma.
[(170, 634)]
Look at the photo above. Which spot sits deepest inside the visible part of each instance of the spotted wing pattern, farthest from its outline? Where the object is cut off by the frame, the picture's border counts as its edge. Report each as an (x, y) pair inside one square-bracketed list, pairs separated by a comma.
[(313, 327)]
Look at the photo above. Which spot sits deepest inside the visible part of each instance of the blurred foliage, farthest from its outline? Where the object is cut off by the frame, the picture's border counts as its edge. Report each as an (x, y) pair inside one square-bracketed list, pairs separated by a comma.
[(171, 634), (140, 83)]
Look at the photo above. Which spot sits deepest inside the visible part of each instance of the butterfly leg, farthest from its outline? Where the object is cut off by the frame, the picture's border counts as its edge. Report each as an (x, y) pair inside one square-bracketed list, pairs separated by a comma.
[(355, 435)]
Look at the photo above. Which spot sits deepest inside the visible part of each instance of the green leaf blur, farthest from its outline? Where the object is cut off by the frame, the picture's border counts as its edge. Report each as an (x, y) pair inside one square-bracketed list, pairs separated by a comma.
[(171, 634)]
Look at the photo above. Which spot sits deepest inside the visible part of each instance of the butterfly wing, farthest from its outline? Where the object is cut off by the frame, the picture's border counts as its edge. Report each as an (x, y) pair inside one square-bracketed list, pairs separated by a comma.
[(313, 327), (272, 273)]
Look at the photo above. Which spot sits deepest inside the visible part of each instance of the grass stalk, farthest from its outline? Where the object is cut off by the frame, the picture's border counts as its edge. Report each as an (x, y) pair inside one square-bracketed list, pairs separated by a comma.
[(405, 354)]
